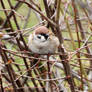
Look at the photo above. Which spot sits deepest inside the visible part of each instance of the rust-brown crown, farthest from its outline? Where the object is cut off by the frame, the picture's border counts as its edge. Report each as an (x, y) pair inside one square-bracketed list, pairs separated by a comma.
[(41, 29)]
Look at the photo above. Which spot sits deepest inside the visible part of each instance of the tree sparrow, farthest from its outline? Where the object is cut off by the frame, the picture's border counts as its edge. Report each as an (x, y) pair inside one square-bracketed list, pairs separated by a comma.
[(42, 41)]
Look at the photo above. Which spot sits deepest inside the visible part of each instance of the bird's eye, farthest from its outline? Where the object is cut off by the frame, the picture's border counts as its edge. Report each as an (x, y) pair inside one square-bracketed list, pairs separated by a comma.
[(39, 36)]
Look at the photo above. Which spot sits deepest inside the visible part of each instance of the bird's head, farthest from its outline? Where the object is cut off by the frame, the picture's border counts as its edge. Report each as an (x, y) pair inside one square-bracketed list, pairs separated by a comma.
[(41, 34)]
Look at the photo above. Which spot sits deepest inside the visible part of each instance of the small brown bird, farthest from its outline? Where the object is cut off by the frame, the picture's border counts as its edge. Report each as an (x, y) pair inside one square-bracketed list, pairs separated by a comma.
[(42, 41)]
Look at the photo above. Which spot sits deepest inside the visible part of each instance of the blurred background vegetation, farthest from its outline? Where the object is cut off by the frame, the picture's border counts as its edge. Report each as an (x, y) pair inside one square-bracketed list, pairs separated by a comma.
[(73, 20)]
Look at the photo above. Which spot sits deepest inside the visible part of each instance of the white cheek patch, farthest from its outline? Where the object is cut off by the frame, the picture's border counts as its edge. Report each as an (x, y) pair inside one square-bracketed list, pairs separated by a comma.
[(42, 38), (39, 38)]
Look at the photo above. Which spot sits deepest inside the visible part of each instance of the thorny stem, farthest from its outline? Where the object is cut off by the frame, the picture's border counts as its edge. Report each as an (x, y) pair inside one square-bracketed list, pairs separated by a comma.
[(78, 54), (53, 9), (5, 59), (62, 50), (78, 23), (16, 7), (49, 75), (1, 83)]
